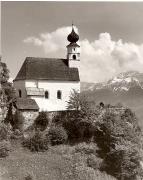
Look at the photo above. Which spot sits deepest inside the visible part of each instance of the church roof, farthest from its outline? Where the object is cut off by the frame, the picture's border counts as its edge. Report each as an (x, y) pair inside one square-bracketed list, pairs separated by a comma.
[(26, 104), (35, 68)]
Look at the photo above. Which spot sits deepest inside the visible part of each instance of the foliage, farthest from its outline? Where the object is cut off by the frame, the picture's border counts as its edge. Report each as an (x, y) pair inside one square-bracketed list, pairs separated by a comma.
[(4, 148), (123, 162), (74, 101), (29, 177), (118, 137), (4, 132), (36, 142), (6, 86), (116, 133), (87, 148), (42, 121), (18, 121), (94, 161), (84, 162), (77, 121), (7, 94), (57, 135), (4, 73)]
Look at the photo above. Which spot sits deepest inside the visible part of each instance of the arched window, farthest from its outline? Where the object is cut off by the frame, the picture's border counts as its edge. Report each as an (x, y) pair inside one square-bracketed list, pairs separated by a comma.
[(74, 56), (59, 94), (20, 93), (46, 94)]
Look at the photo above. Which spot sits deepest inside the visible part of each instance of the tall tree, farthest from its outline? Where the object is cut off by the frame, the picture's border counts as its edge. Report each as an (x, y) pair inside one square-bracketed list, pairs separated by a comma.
[(6, 89)]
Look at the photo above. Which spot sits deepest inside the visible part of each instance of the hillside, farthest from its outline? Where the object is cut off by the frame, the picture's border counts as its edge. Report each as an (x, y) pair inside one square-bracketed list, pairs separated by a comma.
[(126, 88)]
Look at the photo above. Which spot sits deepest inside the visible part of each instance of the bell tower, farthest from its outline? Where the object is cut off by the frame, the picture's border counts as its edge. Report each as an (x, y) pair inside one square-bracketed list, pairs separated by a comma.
[(73, 50)]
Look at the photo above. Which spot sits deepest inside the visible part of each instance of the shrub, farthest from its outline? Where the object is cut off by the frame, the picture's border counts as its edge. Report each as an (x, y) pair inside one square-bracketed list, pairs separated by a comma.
[(87, 148), (18, 121), (16, 134), (123, 162), (4, 132), (119, 139), (28, 177), (88, 173), (37, 142), (94, 162), (42, 121), (57, 135), (4, 148)]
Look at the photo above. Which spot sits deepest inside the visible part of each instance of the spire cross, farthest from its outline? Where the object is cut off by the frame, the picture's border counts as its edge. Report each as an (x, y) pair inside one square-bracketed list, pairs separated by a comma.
[(72, 24)]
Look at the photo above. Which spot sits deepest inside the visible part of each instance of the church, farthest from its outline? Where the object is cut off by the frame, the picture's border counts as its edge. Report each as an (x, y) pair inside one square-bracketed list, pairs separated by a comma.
[(50, 81)]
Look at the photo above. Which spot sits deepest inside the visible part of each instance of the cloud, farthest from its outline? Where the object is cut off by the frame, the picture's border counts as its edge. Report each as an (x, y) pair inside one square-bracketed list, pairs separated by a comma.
[(101, 59)]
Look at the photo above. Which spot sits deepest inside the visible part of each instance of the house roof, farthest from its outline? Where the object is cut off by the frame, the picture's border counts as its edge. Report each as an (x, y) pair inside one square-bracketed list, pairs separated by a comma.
[(26, 104), (47, 69)]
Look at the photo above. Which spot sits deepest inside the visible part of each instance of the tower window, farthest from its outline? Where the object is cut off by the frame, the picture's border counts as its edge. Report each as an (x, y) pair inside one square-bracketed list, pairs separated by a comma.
[(74, 56), (59, 94), (46, 95), (20, 93), (74, 49)]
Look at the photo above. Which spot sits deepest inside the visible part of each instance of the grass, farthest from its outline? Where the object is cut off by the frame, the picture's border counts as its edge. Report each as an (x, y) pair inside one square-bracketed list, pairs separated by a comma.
[(43, 166), (58, 163)]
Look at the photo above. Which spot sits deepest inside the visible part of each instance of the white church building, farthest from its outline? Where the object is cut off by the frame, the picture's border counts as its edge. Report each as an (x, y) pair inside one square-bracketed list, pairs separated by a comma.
[(50, 81)]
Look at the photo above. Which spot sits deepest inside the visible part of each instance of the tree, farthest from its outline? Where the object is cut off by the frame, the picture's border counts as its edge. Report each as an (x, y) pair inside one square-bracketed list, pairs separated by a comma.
[(4, 73), (119, 139), (74, 101), (42, 121), (78, 121), (7, 95)]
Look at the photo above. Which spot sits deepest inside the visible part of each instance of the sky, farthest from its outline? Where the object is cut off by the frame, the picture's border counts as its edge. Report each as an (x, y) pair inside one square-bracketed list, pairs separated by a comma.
[(111, 35)]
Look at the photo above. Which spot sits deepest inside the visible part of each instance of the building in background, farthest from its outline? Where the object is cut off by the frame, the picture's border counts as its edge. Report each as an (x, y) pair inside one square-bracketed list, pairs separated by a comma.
[(50, 81)]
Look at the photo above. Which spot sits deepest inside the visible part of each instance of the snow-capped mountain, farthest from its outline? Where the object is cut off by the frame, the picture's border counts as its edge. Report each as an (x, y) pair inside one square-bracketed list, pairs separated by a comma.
[(126, 88), (122, 82)]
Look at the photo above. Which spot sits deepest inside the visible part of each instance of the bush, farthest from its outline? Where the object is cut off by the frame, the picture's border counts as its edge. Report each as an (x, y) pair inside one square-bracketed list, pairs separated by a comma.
[(28, 177), (125, 158), (87, 173), (57, 135), (94, 162), (4, 148), (37, 142), (16, 134), (87, 148), (41, 122), (4, 132), (18, 121), (119, 139)]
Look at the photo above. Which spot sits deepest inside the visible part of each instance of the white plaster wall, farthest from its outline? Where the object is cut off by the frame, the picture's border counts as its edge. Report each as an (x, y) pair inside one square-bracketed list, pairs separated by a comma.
[(70, 56), (73, 49), (20, 85), (54, 104), (51, 104), (74, 64), (31, 83)]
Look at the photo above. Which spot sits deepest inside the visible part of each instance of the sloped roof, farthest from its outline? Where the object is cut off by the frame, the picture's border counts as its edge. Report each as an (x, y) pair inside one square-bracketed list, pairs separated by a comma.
[(47, 69), (26, 104)]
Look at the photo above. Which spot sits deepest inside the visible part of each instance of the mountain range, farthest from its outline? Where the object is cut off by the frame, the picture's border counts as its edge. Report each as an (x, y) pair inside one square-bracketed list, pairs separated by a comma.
[(125, 88)]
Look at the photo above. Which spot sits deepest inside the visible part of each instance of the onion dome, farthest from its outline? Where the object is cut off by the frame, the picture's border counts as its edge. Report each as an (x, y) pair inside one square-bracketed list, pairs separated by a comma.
[(73, 37)]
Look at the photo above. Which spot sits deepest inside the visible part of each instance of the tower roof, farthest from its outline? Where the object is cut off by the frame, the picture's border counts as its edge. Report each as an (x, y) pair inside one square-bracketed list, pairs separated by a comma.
[(73, 37)]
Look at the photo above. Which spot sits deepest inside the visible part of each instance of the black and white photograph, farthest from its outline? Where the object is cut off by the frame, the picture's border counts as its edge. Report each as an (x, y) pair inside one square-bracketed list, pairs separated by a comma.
[(71, 90)]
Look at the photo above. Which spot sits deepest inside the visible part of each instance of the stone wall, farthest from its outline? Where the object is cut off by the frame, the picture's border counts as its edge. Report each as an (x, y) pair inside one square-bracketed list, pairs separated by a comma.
[(29, 117)]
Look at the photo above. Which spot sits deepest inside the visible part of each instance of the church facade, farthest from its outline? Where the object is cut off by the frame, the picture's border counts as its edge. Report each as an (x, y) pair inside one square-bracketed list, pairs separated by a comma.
[(50, 81)]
